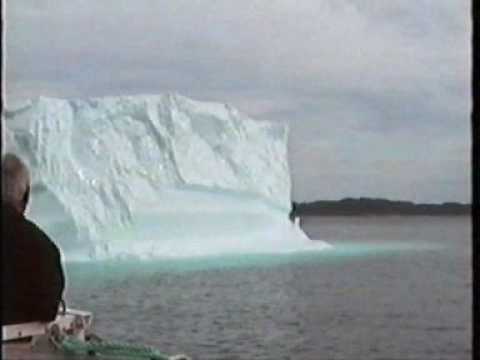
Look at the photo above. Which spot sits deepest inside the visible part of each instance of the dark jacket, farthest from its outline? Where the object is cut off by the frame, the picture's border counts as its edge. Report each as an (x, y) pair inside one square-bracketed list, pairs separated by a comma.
[(32, 274)]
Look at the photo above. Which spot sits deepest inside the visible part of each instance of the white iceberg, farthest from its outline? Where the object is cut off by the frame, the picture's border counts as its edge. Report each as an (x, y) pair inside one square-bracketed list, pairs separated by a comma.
[(155, 176)]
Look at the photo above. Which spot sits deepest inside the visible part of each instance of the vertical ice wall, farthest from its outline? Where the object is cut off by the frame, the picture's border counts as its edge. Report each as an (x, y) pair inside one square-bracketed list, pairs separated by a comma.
[(155, 175)]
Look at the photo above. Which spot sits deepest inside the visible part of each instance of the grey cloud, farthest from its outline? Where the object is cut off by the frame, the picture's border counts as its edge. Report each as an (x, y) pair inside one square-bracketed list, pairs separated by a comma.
[(336, 70)]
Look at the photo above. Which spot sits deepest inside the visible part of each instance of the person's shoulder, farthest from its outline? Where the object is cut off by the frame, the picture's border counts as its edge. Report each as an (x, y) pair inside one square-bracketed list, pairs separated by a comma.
[(38, 236)]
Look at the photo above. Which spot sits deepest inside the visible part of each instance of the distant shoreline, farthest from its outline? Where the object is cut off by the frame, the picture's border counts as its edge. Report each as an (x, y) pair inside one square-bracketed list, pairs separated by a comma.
[(378, 207)]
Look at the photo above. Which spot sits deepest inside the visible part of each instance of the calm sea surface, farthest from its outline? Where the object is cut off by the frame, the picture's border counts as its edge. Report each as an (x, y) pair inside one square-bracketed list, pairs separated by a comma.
[(391, 288)]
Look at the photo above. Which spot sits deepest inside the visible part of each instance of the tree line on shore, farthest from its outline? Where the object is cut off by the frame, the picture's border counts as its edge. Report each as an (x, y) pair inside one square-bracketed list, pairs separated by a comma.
[(371, 206)]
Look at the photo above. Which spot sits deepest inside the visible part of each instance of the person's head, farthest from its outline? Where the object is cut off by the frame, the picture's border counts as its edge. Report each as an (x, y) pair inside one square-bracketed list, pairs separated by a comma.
[(15, 182)]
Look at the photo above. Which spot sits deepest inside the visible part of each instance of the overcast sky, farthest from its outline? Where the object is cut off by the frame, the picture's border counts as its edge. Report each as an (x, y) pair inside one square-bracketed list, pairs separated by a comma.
[(376, 92)]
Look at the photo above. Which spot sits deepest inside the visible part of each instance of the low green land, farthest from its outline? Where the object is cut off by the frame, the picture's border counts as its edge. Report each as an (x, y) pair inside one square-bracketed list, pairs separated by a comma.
[(369, 206)]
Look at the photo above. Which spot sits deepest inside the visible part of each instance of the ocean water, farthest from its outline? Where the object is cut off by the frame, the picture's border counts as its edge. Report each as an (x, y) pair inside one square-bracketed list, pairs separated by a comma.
[(391, 288)]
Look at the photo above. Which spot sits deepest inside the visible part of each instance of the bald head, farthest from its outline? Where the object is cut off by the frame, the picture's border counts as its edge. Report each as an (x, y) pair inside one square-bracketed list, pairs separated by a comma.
[(15, 182)]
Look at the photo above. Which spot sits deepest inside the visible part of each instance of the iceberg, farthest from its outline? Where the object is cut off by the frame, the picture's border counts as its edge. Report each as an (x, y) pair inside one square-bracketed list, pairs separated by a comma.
[(151, 176)]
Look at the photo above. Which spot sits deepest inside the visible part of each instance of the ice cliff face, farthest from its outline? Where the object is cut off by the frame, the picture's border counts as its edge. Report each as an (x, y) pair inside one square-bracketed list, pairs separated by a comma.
[(160, 168)]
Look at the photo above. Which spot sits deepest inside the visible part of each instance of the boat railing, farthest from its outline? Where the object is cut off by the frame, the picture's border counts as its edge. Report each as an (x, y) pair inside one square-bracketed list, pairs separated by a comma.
[(72, 322)]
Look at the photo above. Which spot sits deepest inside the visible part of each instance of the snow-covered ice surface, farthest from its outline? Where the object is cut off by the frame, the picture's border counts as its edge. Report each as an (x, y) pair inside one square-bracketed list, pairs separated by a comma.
[(155, 176)]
